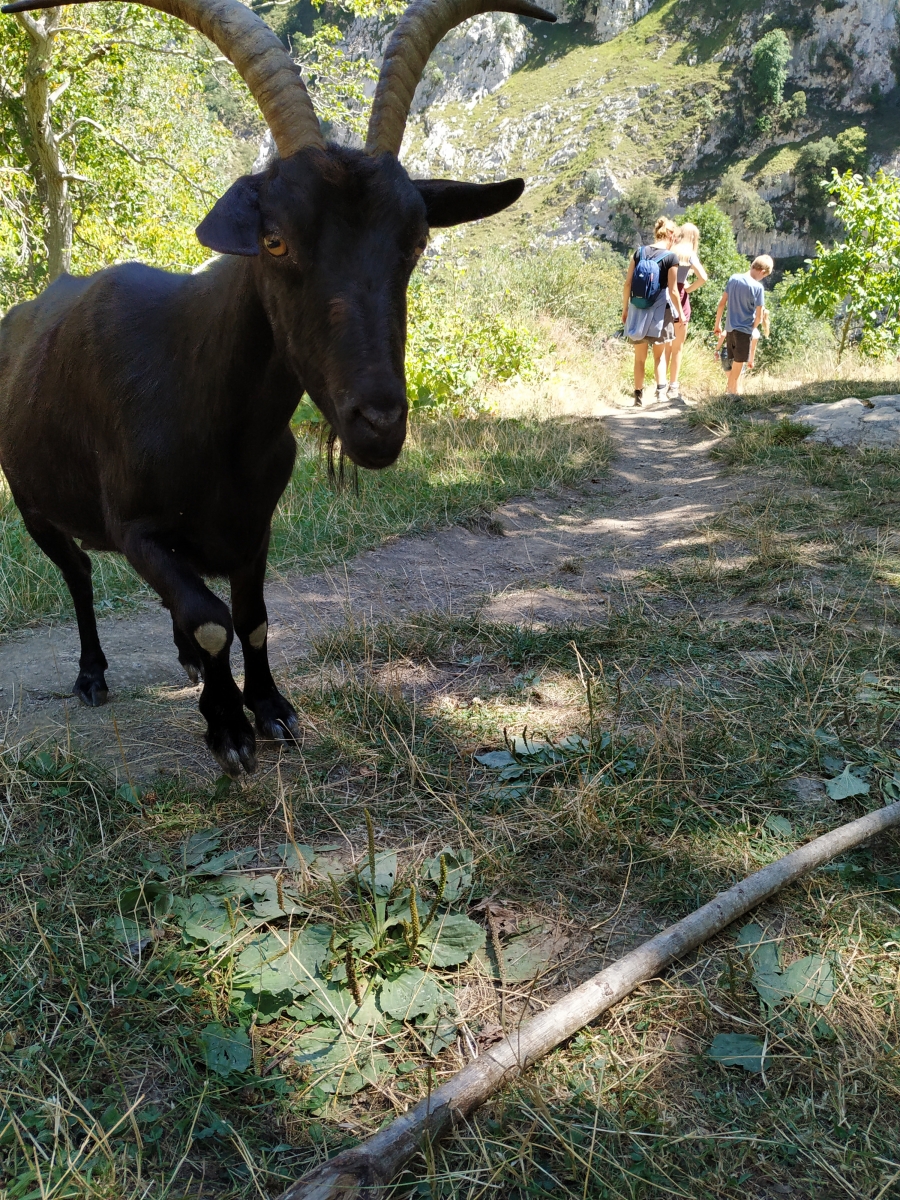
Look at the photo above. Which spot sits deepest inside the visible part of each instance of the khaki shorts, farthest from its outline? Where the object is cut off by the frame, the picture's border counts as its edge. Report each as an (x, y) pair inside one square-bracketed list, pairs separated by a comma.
[(667, 335), (738, 345)]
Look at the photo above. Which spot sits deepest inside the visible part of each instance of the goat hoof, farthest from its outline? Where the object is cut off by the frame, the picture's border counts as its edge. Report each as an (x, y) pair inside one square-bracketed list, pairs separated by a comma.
[(192, 670), (276, 719), (233, 749), (90, 690)]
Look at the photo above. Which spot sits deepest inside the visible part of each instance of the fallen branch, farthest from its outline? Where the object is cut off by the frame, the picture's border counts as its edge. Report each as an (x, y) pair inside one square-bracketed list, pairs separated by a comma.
[(362, 1173)]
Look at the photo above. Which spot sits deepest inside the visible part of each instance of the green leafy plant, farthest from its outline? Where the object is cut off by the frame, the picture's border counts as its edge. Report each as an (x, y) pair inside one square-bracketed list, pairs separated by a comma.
[(738, 1050), (769, 60), (858, 278), (807, 982)]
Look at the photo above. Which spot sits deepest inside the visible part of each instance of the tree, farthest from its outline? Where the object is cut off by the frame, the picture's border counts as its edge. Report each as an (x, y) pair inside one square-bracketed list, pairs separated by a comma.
[(769, 60), (719, 254), (743, 201), (637, 210), (847, 152), (105, 132), (859, 278)]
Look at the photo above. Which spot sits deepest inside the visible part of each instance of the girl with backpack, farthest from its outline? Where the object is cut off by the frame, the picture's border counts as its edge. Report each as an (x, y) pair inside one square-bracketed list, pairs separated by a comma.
[(651, 305), (688, 264)]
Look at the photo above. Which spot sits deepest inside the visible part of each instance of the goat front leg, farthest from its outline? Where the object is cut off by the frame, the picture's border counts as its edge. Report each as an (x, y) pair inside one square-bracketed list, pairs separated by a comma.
[(275, 716), (204, 624)]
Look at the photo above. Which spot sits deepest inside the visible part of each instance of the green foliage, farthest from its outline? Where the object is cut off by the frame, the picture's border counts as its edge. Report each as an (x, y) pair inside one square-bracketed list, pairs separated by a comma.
[(792, 110), (859, 276), (453, 355), (719, 254), (847, 152), (738, 1050), (794, 329), (769, 60), (145, 154), (744, 202), (636, 212)]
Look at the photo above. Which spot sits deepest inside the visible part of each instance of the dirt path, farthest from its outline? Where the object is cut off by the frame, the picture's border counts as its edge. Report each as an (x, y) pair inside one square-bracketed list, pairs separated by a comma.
[(559, 560)]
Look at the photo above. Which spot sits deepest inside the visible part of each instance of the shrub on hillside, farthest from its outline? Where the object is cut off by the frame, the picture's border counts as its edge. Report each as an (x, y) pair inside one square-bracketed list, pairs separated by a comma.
[(815, 162), (718, 253), (745, 202), (769, 60), (636, 212)]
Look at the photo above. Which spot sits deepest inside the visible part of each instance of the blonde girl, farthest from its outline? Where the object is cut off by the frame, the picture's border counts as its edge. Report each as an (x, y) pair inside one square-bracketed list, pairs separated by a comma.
[(652, 323), (688, 264)]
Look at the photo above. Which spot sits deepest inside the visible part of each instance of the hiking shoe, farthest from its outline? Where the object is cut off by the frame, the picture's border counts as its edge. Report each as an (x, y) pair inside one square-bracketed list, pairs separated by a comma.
[(638, 397), (675, 395), (662, 392)]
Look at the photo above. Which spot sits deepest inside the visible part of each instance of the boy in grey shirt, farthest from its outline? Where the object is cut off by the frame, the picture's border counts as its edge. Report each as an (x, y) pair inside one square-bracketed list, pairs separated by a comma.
[(745, 301)]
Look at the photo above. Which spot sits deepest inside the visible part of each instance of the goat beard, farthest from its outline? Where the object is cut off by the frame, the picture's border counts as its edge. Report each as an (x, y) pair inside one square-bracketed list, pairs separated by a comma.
[(335, 460)]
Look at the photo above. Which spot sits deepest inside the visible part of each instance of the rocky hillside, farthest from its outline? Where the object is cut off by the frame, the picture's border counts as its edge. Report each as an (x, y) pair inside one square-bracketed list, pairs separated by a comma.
[(619, 91)]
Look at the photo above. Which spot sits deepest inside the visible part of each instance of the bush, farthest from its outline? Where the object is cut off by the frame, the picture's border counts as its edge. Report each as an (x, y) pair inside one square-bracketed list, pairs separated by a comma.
[(847, 152), (745, 202), (454, 355), (719, 254), (769, 59), (638, 209), (794, 330)]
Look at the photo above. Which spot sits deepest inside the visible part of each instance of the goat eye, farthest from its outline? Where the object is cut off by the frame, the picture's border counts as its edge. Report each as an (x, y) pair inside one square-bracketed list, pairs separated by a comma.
[(274, 244)]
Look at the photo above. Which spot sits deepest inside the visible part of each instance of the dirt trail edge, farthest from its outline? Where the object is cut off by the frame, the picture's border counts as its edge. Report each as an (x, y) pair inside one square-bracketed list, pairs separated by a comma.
[(560, 560)]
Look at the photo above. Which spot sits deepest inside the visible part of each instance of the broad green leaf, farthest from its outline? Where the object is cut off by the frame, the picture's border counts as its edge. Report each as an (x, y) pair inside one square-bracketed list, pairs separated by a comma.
[(737, 1050), (845, 785), (283, 961), (409, 994), (225, 1050), (129, 932), (385, 872), (574, 744), (229, 860), (198, 845), (459, 871), (527, 954), (204, 918), (146, 898), (451, 939), (779, 825), (809, 981), (495, 759), (341, 1062), (287, 852), (264, 893), (762, 951)]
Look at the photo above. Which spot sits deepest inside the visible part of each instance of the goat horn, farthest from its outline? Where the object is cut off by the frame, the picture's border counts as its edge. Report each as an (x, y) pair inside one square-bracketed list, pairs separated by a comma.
[(420, 29), (264, 64)]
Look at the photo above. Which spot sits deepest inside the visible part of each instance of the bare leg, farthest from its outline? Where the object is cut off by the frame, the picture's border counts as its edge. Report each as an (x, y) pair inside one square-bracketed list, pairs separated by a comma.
[(674, 351), (640, 363), (204, 626), (659, 364), (275, 716), (75, 565), (734, 379)]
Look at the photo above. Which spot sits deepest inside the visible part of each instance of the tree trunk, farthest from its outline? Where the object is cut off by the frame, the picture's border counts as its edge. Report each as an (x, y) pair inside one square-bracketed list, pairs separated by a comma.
[(363, 1172), (53, 182)]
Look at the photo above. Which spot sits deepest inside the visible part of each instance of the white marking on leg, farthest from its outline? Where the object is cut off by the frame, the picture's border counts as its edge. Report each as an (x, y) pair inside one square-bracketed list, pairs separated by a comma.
[(258, 636), (211, 637)]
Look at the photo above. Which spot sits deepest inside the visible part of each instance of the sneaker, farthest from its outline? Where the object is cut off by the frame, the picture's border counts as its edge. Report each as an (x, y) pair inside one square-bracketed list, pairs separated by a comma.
[(662, 392), (638, 397)]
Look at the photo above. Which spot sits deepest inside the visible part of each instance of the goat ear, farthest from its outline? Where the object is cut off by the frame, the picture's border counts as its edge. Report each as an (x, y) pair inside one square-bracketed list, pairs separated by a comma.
[(232, 224), (450, 203)]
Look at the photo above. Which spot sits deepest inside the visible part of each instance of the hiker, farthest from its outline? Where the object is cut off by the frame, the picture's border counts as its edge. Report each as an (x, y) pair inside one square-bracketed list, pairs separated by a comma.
[(651, 304), (688, 264), (745, 300)]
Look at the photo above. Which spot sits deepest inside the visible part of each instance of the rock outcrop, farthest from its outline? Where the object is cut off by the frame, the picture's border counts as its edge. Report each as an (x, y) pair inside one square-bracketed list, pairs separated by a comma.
[(853, 423)]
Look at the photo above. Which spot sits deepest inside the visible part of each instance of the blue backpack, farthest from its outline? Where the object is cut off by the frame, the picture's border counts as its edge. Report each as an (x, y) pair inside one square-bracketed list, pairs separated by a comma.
[(645, 282)]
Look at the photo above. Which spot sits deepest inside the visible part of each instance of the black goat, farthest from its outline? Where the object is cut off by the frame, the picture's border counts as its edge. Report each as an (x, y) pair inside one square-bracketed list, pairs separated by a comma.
[(148, 413)]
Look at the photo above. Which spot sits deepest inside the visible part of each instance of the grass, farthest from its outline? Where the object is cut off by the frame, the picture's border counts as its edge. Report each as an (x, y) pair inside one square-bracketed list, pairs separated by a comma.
[(103, 1085), (450, 470)]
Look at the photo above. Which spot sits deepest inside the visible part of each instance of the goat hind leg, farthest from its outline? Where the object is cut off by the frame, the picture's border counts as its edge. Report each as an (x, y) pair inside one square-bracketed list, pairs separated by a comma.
[(275, 716), (75, 565)]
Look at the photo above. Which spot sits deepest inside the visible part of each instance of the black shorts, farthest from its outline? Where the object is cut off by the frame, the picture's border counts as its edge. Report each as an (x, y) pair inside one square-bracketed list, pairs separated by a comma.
[(738, 345)]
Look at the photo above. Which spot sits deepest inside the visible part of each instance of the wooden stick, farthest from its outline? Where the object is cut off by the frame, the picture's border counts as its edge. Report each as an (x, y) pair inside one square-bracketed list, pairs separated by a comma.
[(363, 1172)]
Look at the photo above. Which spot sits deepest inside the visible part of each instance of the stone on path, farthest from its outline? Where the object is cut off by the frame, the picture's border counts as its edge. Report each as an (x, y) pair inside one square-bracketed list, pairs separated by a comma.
[(851, 423)]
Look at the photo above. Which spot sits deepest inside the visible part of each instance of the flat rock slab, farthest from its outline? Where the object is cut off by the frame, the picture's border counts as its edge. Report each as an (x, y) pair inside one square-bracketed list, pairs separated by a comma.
[(852, 423)]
